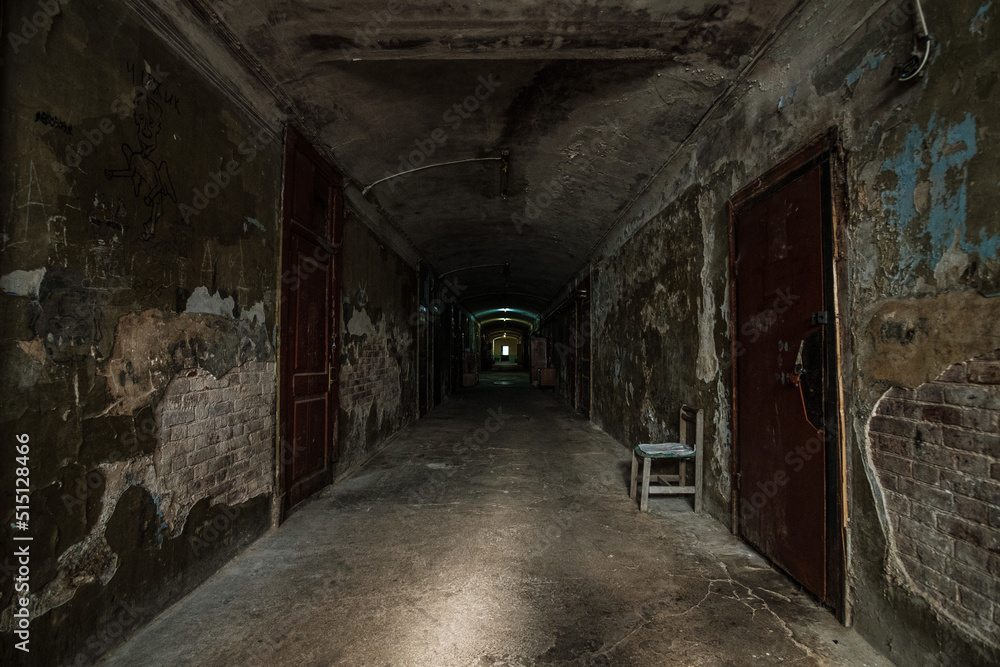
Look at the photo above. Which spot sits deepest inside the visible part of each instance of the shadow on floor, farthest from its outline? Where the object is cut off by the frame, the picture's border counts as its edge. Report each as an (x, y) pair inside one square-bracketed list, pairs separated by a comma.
[(499, 532)]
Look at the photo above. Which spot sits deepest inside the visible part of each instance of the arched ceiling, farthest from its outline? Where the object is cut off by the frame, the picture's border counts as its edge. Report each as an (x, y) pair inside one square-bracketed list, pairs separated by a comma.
[(589, 97)]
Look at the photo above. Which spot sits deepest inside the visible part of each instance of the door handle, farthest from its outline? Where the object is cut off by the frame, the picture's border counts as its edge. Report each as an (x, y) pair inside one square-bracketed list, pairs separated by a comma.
[(809, 378), (800, 370)]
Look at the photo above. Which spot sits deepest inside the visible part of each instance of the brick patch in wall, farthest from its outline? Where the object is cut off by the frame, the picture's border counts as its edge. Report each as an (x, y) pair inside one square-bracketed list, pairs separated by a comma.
[(936, 451), (215, 437), (374, 374)]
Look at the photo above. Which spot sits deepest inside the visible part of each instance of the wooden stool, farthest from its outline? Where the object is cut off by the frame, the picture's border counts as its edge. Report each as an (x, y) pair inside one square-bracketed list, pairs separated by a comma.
[(682, 452)]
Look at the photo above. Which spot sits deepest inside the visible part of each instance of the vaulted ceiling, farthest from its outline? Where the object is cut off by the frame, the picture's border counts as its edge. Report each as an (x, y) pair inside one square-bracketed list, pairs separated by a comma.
[(589, 97)]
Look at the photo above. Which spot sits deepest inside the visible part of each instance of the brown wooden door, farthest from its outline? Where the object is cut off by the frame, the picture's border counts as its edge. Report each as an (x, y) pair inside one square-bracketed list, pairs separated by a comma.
[(780, 300), (312, 224), (539, 356)]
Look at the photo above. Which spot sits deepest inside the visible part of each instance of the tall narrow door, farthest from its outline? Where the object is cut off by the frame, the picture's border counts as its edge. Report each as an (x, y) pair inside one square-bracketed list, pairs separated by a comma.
[(568, 353), (425, 330), (781, 378), (582, 345), (309, 319)]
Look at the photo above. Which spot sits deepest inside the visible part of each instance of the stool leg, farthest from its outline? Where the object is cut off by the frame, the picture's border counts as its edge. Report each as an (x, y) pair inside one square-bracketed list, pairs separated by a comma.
[(644, 502), (635, 474), (681, 472), (699, 478)]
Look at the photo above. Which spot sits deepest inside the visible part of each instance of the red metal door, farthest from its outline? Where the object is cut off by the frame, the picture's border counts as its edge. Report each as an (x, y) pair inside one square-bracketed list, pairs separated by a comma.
[(313, 215), (780, 308)]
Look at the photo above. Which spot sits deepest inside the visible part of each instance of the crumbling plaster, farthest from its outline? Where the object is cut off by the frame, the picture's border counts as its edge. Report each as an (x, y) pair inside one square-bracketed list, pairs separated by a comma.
[(378, 350), (129, 262), (919, 240)]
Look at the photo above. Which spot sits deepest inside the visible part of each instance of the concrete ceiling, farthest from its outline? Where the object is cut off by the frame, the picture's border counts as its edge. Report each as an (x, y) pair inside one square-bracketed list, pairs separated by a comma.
[(589, 97)]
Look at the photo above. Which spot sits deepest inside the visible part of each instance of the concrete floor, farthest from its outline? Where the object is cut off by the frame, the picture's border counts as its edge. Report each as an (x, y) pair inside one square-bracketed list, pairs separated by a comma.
[(523, 551)]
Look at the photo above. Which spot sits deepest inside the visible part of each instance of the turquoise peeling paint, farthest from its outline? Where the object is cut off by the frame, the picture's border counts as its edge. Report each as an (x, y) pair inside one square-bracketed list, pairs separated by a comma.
[(791, 96), (872, 62), (163, 527), (940, 157), (980, 18)]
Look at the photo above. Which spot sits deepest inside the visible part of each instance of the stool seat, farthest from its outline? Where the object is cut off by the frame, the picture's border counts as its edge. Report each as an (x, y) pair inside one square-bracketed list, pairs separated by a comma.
[(665, 450)]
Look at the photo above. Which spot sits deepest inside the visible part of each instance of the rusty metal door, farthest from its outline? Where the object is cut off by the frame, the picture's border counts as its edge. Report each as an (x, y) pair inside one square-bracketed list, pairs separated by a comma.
[(310, 297), (781, 378)]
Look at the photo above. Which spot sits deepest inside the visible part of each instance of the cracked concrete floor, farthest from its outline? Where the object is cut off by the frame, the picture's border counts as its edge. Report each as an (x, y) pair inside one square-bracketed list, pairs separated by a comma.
[(520, 549)]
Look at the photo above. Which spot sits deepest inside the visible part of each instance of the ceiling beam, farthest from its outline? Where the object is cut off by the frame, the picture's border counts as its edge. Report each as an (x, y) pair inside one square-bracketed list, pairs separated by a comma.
[(505, 53)]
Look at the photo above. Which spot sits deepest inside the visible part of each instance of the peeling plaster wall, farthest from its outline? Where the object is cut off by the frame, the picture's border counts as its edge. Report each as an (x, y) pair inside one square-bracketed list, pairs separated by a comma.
[(655, 346), (140, 231), (922, 240), (378, 377)]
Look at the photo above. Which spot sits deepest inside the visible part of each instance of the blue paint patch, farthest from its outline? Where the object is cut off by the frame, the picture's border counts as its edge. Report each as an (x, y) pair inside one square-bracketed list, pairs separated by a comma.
[(255, 222), (980, 18), (871, 62), (940, 157), (791, 96), (163, 527)]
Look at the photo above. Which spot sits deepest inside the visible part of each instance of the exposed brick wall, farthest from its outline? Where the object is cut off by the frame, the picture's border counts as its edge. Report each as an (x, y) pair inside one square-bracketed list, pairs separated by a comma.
[(215, 438), (936, 450), (373, 373)]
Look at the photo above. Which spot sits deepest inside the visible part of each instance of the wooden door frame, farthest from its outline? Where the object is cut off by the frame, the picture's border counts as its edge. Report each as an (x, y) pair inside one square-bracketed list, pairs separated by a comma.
[(293, 137), (825, 149)]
